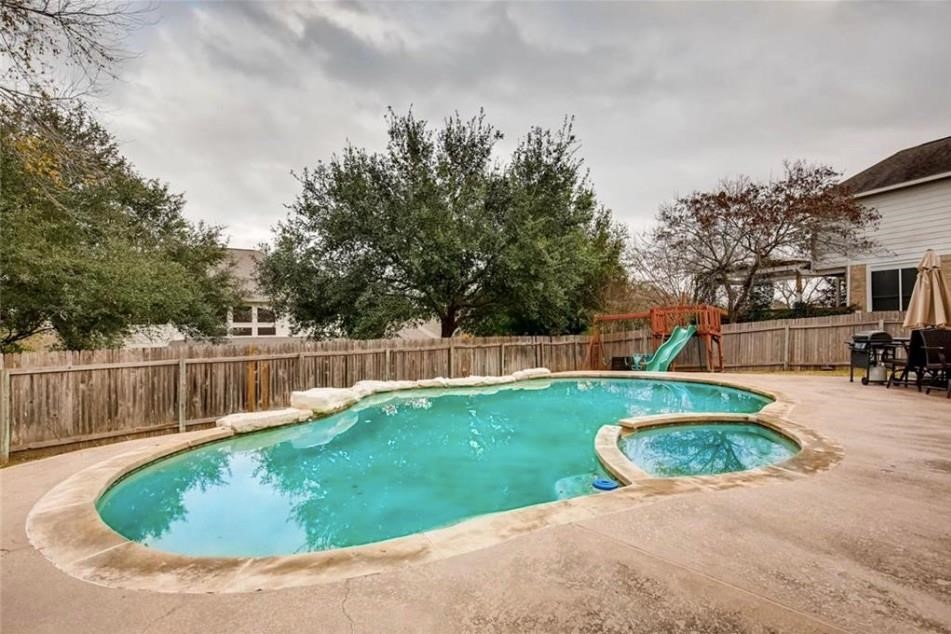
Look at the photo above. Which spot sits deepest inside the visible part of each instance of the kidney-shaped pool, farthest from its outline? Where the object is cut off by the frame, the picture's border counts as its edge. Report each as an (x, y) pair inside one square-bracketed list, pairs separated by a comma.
[(392, 465)]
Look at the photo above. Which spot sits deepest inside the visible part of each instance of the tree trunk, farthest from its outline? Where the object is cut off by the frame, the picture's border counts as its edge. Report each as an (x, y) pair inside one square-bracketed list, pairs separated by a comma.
[(739, 305), (449, 324)]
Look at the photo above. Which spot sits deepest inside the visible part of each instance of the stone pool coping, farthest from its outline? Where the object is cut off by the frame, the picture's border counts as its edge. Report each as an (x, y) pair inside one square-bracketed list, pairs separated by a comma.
[(65, 526)]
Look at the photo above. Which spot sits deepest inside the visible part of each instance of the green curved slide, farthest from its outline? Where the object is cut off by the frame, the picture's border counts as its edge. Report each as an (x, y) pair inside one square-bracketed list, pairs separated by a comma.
[(669, 350)]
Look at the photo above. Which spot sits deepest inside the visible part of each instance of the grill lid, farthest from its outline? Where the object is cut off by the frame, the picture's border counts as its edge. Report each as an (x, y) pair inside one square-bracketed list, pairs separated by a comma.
[(872, 336)]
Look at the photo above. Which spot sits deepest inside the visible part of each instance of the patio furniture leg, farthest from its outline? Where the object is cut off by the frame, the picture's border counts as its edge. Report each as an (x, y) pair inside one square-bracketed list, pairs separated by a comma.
[(946, 379)]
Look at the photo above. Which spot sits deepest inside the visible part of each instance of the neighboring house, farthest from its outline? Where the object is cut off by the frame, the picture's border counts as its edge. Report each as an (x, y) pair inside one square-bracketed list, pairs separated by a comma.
[(912, 191), (431, 329), (254, 320)]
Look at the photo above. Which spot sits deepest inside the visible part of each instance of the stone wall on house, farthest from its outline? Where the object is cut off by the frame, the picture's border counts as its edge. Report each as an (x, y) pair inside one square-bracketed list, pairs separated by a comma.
[(857, 285)]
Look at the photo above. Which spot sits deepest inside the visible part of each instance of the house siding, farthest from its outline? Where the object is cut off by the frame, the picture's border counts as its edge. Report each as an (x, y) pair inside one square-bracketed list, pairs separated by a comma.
[(913, 219)]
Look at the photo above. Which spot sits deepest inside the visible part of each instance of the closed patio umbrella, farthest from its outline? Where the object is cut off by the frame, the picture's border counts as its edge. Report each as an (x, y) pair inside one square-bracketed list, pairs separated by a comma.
[(930, 303)]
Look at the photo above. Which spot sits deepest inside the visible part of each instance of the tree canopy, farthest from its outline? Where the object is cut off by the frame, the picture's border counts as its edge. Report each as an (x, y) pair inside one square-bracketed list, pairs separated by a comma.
[(712, 246), (91, 249), (433, 227)]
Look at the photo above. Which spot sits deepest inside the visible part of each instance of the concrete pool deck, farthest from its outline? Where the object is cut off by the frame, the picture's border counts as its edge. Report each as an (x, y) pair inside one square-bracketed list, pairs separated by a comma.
[(865, 546)]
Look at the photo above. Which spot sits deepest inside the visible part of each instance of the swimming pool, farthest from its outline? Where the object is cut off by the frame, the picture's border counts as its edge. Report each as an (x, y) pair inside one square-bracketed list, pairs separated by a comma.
[(392, 465)]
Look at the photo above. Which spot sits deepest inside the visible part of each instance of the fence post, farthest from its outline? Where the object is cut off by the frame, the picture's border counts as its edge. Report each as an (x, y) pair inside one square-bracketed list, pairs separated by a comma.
[(386, 366), (450, 359), (250, 385), (501, 359), (264, 378), (786, 346), (5, 406), (300, 371), (182, 388)]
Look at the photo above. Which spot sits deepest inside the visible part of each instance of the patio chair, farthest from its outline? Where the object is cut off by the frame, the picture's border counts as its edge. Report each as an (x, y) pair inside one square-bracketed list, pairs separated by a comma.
[(914, 360), (937, 366)]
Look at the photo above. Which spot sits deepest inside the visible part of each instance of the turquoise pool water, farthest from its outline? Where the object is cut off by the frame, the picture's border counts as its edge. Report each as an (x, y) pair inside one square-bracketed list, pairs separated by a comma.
[(392, 465), (680, 450)]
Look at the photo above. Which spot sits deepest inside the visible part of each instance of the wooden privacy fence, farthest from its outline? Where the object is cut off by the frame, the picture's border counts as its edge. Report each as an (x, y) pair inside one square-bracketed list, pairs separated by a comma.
[(793, 344), (53, 399)]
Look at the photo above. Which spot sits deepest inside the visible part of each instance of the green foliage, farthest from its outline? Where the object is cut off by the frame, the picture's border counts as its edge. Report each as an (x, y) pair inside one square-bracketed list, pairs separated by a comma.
[(433, 228), (90, 248), (760, 301)]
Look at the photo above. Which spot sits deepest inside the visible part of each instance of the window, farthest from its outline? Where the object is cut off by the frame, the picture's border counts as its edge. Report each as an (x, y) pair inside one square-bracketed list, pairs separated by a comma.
[(241, 314), (908, 278), (265, 315), (891, 288), (253, 321)]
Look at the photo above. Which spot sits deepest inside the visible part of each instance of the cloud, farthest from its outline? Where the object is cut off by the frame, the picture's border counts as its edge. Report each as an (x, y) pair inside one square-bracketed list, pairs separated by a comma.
[(225, 99)]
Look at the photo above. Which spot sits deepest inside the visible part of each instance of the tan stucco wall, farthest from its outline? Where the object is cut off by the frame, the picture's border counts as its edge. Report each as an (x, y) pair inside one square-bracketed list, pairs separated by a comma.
[(857, 285)]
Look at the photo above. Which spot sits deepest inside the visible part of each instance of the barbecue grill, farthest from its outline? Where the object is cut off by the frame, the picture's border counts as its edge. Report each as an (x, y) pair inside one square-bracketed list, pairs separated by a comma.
[(869, 350)]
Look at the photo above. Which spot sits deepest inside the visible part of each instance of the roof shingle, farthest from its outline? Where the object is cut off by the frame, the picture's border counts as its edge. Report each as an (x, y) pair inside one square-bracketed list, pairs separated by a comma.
[(909, 164)]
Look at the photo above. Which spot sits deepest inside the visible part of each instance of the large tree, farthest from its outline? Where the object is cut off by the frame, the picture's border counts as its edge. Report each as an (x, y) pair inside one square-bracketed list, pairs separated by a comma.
[(92, 250), (435, 228), (714, 245)]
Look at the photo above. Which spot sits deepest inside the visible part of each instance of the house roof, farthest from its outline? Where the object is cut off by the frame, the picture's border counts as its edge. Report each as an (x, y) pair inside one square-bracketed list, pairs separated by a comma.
[(910, 164)]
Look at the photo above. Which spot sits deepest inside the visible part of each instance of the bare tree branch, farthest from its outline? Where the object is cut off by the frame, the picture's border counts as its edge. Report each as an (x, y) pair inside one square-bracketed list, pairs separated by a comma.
[(56, 51), (718, 242)]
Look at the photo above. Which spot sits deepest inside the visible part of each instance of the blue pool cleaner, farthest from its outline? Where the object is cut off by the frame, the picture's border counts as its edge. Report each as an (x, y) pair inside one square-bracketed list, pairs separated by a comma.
[(605, 484)]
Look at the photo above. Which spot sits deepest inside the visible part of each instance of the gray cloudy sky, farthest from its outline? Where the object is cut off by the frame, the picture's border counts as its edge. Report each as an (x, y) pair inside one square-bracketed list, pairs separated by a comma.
[(224, 99)]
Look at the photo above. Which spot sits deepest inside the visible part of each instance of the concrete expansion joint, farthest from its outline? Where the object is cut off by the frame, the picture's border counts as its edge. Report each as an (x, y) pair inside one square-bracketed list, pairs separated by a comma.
[(56, 508), (164, 616), (343, 604), (792, 473), (430, 545), (95, 554), (9, 551), (240, 571)]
